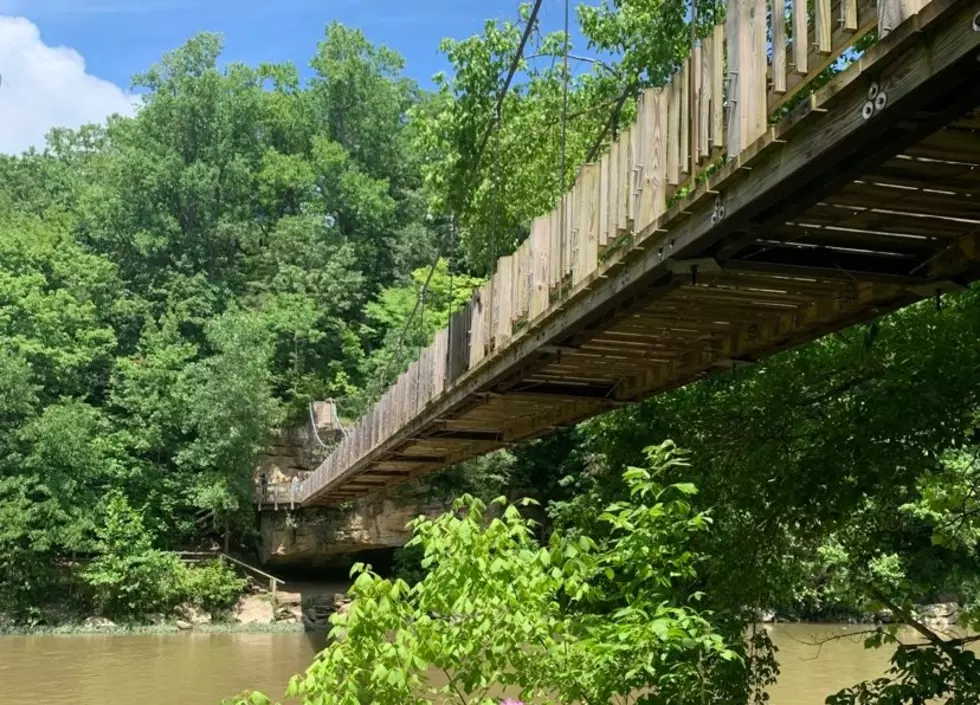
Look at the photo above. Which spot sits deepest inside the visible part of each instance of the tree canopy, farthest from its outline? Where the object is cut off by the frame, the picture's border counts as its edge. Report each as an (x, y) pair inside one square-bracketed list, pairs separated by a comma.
[(176, 285)]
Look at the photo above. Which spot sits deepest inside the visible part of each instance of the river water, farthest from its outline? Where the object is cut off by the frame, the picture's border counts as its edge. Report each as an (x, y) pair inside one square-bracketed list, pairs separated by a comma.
[(201, 669)]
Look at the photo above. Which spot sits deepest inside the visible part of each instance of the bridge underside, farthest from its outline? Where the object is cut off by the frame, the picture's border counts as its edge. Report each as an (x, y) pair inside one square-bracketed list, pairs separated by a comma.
[(829, 220)]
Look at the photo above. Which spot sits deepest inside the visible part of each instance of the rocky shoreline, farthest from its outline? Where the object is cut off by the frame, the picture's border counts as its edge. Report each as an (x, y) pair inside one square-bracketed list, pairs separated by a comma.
[(254, 613), (937, 616)]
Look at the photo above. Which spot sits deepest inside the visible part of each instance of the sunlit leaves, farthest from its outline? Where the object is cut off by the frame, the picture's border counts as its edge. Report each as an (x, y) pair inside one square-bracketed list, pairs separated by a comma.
[(497, 610)]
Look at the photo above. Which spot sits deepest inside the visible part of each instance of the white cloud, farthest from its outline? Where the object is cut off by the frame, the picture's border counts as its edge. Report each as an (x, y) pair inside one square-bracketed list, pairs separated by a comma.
[(42, 87)]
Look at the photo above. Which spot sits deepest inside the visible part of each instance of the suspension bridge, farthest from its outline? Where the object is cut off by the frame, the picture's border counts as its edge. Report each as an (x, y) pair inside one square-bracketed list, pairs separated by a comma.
[(743, 213)]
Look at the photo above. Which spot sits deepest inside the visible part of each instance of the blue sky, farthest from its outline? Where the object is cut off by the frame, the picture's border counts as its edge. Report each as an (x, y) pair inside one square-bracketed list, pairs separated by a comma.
[(66, 62), (120, 37)]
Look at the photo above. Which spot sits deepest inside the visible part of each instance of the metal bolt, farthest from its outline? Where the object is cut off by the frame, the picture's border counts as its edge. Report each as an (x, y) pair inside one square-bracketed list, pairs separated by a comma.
[(873, 90), (868, 110), (976, 22), (881, 101), (721, 212)]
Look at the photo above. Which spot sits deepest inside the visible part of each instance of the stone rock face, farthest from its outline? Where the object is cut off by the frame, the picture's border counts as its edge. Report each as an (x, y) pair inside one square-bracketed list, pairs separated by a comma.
[(189, 613), (325, 537), (941, 615), (99, 623), (255, 609), (314, 538), (184, 624)]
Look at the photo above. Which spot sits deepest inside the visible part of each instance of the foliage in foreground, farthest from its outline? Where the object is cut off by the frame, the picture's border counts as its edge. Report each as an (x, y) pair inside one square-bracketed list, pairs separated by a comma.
[(574, 621)]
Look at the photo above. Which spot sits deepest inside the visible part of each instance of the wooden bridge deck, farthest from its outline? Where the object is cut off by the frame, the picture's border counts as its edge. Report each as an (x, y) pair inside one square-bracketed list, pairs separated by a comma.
[(863, 198)]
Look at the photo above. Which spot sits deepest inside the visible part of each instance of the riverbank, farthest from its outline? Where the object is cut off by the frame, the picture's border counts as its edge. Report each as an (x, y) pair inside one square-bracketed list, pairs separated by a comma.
[(256, 613), (253, 613), (84, 629)]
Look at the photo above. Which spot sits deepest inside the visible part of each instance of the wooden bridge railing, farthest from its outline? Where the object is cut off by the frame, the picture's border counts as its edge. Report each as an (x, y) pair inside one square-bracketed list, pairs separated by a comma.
[(701, 117)]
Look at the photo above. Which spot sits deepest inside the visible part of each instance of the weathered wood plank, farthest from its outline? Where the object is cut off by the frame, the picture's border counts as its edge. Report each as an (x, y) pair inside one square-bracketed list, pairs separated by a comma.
[(603, 185), (673, 132), (489, 313), (695, 80), (717, 88), (778, 14), (540, 266), (653, 198), (440, 361), (704, 103), (685, 146), (524, 306), (504, 298), (891, 13), (747, 70), (821, 23), (636, 165), (850, 11), (554, 246), (481, 300), (613, 200), (593, 210), (569, 241), (625, 179), (801, 44)]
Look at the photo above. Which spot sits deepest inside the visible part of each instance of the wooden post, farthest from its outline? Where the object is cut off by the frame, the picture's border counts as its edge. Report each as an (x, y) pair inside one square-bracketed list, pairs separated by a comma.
[(540, 269), (685, 147), (555, 249), (850, 15), (653, 198), (747, 70), (800, 40), (695, 80), (439, 362), (503, 300), (567, 233), (476, 326), (717, 88), (603, 201), (623, 182), (612, 202), (636, 172), (821, 23), (636, 175), (589, 254), (778, 46), (673, 132), (626, 167), (892, 13)]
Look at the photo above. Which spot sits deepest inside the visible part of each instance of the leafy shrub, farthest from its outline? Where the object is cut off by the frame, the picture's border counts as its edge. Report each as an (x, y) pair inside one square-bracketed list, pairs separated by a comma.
[(129, 577), (214, 586), (579, 620)]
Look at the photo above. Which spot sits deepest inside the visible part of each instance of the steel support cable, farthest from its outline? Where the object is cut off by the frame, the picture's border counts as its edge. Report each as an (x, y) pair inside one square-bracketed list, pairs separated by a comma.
[(515, 63), (564, 138), (532, 22)]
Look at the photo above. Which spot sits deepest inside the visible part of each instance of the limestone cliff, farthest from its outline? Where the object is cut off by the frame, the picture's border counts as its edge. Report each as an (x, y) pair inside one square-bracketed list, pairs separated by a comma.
[(328, 537)]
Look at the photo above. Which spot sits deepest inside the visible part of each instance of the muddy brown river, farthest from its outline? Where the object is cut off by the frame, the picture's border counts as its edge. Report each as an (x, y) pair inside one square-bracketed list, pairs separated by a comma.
[(201, 669)]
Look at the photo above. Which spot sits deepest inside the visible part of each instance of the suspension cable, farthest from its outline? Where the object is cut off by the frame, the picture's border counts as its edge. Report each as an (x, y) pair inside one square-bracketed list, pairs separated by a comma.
[(515, 63), (564, 140)]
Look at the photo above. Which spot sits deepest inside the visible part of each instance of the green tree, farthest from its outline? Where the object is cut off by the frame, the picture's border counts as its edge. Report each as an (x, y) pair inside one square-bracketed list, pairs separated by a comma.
[(578, 620)]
